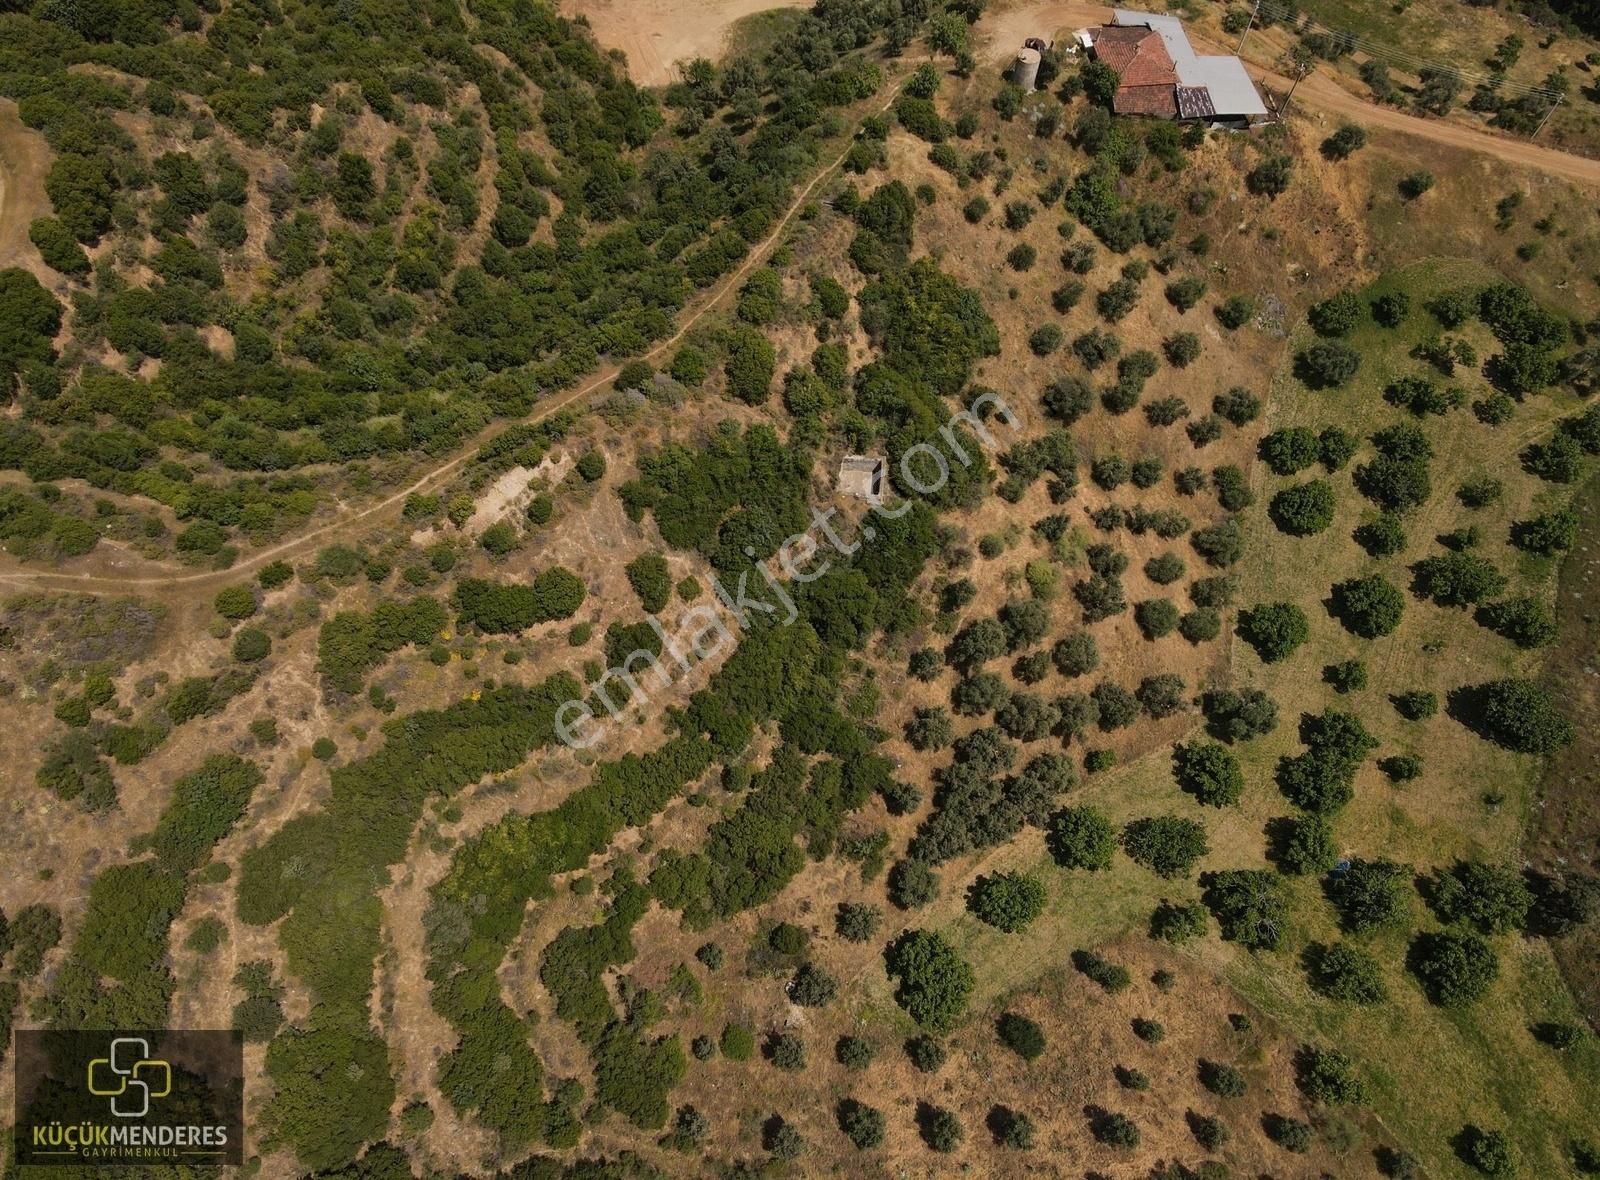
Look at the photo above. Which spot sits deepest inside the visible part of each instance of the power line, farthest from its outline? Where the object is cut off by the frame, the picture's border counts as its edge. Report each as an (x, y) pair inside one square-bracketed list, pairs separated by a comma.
[(1396, 57)]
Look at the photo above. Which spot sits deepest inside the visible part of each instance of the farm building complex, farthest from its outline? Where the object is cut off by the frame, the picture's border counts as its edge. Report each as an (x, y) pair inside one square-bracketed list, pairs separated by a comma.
[(1160, 74)]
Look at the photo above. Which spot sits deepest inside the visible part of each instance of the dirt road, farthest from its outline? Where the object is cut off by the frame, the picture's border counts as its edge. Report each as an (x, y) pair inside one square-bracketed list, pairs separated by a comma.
[(1003, 31)]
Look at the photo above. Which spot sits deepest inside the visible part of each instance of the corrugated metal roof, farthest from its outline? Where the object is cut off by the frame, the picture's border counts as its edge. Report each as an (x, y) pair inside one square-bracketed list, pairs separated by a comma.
[(1194, 102), (1170, 28), (1232, 92)]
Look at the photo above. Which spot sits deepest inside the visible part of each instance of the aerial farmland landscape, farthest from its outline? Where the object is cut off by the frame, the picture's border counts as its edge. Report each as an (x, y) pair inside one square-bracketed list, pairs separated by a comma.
[(633, 589)]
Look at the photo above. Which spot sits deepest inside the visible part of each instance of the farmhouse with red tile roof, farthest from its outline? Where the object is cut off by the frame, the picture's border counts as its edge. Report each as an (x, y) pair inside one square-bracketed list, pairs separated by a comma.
[(1159, 73)]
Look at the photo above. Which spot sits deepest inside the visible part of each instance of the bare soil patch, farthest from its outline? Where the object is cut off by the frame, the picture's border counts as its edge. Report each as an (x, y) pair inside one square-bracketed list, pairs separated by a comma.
[(24, 160), (658, 34)]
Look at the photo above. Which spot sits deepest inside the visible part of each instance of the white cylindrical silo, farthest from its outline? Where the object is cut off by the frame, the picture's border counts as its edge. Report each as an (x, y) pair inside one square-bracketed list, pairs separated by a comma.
[(1025, 70)]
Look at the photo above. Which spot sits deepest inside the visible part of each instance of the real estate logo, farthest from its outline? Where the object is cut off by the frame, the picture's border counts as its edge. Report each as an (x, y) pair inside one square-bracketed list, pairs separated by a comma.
[(121, 1080), (129, 1097)]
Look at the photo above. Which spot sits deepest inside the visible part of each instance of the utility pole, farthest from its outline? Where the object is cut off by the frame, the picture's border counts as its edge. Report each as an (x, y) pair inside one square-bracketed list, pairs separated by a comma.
[(1301, 63), (1255, 8), (1546, 118)]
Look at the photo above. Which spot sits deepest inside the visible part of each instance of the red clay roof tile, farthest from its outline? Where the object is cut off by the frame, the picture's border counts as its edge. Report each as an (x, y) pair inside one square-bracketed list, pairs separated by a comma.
[(1145, 100), (1138, 55)]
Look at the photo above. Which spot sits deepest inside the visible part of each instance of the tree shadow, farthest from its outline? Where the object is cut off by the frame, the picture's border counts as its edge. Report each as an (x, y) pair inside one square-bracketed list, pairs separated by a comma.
[(1466, 704), (1396, 1164), (1466, 1143), (1279, 833), (1311, 960)]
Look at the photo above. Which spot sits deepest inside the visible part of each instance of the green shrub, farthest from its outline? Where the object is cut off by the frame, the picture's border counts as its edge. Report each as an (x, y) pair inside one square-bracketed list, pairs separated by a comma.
[(1167, 845), (927, 1053), (853, 1052), (1490, 1152), (1113, 977), (1346, 676), (1081, 838), (651, 581), (58, 246), (1178, 922), (1147, 1030), (540, 509), (786, 1051), (1181, 349), (1327, 365), (1274, 629), (1369, 606), (912, 883), (35, 930), (504, 608), (788, 939), (251, 645), (1304, 509), (499, 539), (1021, 1035), (235, 602), (1328, 1076), (1289, 1133), (1521, 716), (206, 935), (1222, 1080), (1209, 772), (1525, 621), (941, 1130), (1156, 617), (1348, 974), (812, 987), (1250, 906), (1116, 1130), (858, 921), (1235, 312), (1011, 1128), (1007, 901), (1209, 1131), (1308, 845), (1454, 967), (1344, 142), (1458, 579), (1045, 339), (1493, 898), (1548, 533), (690, 366), (863, 1125), (933, 982)]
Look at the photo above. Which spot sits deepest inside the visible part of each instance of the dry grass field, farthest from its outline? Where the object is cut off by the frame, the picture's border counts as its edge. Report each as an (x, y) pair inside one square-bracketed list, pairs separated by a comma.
[(1428, 1071)]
